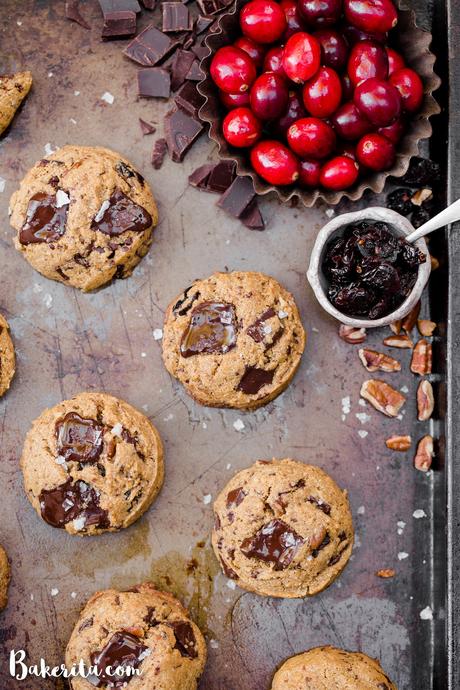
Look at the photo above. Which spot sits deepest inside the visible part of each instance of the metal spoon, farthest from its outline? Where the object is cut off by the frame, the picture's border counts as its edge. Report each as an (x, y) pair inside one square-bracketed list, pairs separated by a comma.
[(450, 215)]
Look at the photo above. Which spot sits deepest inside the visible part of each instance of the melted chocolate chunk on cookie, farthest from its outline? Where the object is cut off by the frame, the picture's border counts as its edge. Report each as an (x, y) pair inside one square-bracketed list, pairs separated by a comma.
[(257, 329), (45, 221), (79, 439), (71, 501), (229, 572), (325, 541), (325, 507), (254, 379), (123, 651), (211, 330), (235, 497), (119, 214), (275, 543), (127, 172), (185, 639), (181, 308)]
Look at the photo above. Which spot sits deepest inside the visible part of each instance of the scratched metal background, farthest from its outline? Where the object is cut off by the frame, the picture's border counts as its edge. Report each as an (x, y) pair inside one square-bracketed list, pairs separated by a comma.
[(67, 342)]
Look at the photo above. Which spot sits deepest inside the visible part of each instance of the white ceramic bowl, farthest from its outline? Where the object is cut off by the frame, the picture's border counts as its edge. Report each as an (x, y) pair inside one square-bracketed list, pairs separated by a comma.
[(319, 283)]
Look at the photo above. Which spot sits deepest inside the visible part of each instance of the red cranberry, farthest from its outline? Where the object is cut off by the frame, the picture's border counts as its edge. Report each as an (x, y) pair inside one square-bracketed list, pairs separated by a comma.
[(334, 48), (274, 61), (263, 20), (274, 162), (375, 152), (255, 52), (378, 100), (371, 15), (395, 61), (241, 127), (347, 88), (394, 131), (339, 173), (293, 18), (232, 70), (294, 112), (234, 100), (320, 12), (355, 35), (269, 96), (350, 123), (410, 88), (309, 173), (311, 138), (302, 56), (367, 59), (323, 93)]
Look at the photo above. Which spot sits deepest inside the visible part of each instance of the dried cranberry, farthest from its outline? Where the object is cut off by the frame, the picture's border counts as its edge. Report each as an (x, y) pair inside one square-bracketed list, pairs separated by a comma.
[(422, 171)]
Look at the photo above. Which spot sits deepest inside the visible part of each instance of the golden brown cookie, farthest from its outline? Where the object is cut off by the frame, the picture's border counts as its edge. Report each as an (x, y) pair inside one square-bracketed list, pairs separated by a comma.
[(92, 464), (7, 357), (151, 629), (328, 668), (83, 216), (13, 89), (5, 575), (282, 529), (233, 339)]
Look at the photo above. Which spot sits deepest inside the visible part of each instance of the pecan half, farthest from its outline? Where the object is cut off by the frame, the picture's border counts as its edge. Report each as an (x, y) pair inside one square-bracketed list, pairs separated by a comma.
[(421, 195), (386, 573), (401, 341), (352, 335), (396, 327), (377, 361), (422, 358), (411, 319), (426, 327), (425, 400), (383, 397), (424, 455), (400, 443), (434, 263)]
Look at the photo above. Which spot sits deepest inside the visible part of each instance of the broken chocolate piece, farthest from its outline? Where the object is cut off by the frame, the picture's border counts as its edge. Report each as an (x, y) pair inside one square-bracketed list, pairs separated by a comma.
[(158, 153), (202, 23), (195, 72), (79, 439), (122, 652), (275, 543), (149, 47), (146, 127), (180, 66), (201, 51), (212, 6), (45, 219), (254, 379), (238, 196), (256, 330), (69, 502), (176, 17), (212, 330), (199, 177), (119, 23), (120, 214), (222, 176), (235, 497), (319, 503), (181, 131), (185, 639), (188, 98), (72, 12), (108, 6), (154, 82), (252, 217)]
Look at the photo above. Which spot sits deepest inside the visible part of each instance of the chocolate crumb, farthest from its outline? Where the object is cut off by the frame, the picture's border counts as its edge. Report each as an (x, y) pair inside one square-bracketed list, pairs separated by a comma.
[(146, 127), (159, 151)]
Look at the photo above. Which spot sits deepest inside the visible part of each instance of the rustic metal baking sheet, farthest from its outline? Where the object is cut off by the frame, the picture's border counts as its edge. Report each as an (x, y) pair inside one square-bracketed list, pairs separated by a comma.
[(67, 342)]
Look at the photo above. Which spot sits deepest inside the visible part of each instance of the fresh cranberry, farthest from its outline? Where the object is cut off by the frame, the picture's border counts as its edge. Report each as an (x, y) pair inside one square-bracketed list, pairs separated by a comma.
[(320, 12), (378, 100), (234, 100), (375, 152), (302, 56), (347, 88), (269, 96), (274, 162), (309, 173), (371, 15), (255, 52), (274, 61), (339, 173), (232, 70), (294, 112), (367, 59), (293, 18), (323, 93), (395, 61), (311, 138), (355, 35), (350, 123), (241, 127), (334, 48), (263, 20), (410, 88), (394, 131)]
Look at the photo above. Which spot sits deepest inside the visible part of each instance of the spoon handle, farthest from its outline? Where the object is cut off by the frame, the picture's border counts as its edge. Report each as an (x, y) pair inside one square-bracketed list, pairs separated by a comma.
[(449, 215)]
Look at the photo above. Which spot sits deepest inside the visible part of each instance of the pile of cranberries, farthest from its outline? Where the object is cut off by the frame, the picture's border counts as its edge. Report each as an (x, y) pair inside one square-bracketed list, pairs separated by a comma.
[(313, 91)]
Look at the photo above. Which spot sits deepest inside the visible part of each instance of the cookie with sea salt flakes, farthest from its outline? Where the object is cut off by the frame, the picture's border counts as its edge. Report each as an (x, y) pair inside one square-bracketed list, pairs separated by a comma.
[(92, 464), (7, 356), (233, 339), (83, 216)]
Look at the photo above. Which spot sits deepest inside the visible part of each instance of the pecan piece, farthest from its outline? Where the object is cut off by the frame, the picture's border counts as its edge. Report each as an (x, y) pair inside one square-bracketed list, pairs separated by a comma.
[(383, 397), (434, 263), (352, 335), (377, 361), (424, 455), (400, 443), (386, 573), (411, 319), (422, 358), (400, 341), (425, 400), (396, 327), (426, 327), (421, 195)]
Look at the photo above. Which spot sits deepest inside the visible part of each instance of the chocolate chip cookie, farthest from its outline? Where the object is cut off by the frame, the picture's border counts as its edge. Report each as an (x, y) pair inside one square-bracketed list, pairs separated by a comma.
[(143, 630), (282, 529), (92, 464), (4, 578), (233, 339), (324, 668), (83, 216), (7, 357), (13, 89)]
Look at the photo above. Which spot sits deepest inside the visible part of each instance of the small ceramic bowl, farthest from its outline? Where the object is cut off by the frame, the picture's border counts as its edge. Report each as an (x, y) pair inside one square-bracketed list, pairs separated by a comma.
[(335, 228)]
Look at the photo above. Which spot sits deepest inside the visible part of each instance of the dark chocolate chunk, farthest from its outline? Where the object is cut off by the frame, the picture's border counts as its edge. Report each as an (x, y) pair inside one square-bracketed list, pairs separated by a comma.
[(238, 196), (212, 330), (195, 72), (154, 82), (275, 543), (119, 23), (256, 330), (235, 497), (123, 651), (252, 217), (120, 214), (254, 379), (185, 639), (202, 23), (70, 501), (127, 172), (221, 176), (322, 505), (72, 12), (335, 559), (79, 439), (180, 66), (45, 221), (199, 177), (147, 127), (149, 47), (158, 153), (184, 303), (181, 131), (108, 6), (229, 572), (188, 98), (176, 17), (201, 51)]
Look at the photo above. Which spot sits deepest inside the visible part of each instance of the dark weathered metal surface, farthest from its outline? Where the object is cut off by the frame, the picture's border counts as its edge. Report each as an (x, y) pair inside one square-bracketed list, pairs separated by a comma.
[(67, 341)]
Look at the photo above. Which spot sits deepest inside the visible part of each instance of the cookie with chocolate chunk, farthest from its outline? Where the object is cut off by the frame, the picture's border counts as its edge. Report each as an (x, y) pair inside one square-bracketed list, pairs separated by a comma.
[(83, 216), (233, 339), (143, 629), (92, 464), (13, 89), (7, 357), (5, 575), (282, 529), (323, 668)]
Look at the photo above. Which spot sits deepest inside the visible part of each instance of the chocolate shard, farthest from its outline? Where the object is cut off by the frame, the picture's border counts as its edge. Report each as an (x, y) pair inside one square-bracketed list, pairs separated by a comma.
[(181, 132), (150, 47), (147, 127), (72, 12), (202, 24), (123, 653), (158, 153), (188, 98), (235, 497), (222, 176), (199, 177), (256, 330), (119, 23), (185, 639), (154, 82), (236, 199), (252, 217), (195, 72), (176, 17), (276, 542), (118, 214), (182, 61), (201, 51), (254, 379)]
